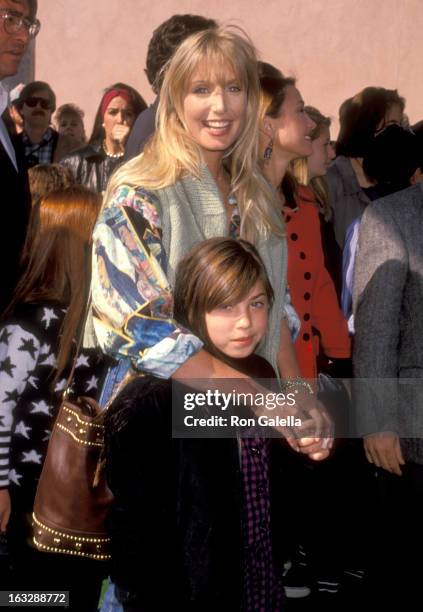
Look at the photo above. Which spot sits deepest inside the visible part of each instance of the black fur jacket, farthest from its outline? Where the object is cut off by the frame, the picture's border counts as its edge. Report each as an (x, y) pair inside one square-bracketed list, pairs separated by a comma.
[(176, 520)]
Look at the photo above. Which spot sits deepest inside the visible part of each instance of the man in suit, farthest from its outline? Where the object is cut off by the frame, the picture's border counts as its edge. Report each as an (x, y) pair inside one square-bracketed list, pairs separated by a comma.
[(388, 363), (18, 25)]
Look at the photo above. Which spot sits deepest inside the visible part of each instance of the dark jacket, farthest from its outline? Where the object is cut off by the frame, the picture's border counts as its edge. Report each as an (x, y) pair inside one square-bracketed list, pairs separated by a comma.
[(346, 197), (173, 538), (176, 522), (91, 167), (15, 207), (143, 128)]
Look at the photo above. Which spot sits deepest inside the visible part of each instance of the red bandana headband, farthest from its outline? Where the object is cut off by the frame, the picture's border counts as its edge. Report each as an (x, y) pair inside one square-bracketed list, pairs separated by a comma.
[(114, 93)]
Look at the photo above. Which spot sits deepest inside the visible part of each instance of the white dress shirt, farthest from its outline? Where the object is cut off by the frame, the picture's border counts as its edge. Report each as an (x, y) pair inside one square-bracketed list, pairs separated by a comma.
[(4, 134)]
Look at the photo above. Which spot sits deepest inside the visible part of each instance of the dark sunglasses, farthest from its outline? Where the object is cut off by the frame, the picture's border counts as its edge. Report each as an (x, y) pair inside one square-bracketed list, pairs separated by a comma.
[(32, 102)]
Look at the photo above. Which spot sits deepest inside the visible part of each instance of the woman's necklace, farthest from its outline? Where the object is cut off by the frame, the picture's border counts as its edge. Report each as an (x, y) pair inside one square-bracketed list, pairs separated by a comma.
[(112, 155)]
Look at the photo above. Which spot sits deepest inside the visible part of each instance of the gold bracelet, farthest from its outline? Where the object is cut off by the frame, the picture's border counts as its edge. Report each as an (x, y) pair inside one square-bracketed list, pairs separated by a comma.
[(293, 383)]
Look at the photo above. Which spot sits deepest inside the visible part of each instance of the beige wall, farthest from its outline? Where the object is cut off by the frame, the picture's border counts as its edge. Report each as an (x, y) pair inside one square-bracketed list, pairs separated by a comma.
[(333, 47)]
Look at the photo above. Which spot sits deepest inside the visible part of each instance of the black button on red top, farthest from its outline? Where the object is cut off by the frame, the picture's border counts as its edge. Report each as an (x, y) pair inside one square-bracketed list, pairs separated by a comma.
[(302, 255), (306, 337), (307, 295), (306, 317), (307, 275), (294, 236)]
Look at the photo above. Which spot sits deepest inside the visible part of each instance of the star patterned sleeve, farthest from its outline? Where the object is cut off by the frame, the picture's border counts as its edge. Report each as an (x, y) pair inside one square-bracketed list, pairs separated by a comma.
[(132, 298), (19, 350)]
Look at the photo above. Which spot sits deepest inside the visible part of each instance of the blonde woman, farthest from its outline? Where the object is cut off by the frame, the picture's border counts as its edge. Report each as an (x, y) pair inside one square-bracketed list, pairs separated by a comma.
[(198, 178)]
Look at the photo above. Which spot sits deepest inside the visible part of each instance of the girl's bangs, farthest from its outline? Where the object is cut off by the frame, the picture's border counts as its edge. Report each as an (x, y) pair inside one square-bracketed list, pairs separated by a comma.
[(233, 287)]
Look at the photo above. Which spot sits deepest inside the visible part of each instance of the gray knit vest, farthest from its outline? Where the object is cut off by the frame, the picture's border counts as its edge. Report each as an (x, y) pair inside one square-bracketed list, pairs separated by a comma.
[(192, 211)]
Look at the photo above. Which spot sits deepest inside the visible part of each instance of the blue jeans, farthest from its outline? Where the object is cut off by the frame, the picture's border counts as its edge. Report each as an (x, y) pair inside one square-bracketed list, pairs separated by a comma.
[(114, 377)]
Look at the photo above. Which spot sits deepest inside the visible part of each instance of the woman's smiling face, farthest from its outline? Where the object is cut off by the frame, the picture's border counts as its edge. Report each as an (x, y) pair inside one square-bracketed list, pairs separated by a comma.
[(214, 108)]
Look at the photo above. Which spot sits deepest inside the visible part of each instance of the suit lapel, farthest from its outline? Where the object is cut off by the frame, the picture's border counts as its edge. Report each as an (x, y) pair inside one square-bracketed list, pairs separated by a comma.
[(5, 160)]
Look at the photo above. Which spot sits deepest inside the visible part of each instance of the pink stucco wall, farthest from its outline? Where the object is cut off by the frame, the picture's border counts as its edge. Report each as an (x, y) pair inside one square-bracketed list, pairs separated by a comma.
[(333, 47)]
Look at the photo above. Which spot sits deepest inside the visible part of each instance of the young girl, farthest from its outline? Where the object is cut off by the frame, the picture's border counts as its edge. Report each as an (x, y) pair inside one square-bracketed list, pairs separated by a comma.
[(36, 350), (191, 520)]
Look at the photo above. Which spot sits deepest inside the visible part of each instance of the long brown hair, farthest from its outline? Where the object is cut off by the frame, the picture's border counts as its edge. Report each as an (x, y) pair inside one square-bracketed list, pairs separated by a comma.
[(215, 272), (56, 258), (273, 86)]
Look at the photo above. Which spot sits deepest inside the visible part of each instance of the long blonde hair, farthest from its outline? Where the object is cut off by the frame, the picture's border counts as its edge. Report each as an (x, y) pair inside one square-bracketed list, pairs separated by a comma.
[(172, 153), (299, 167)]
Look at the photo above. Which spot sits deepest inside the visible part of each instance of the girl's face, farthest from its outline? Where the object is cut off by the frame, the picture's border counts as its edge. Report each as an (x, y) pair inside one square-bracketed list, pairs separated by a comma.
[(118, 113), (291, 130), (322, 154), (237, 329), (71, 125), (214, 109)]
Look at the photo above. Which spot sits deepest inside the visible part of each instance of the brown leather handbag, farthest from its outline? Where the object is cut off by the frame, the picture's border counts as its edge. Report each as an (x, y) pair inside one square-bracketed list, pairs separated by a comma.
[(72, 498)]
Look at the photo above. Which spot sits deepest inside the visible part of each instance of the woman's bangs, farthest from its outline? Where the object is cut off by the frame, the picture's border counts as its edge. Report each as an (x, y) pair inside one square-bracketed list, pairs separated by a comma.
[(222, 63)]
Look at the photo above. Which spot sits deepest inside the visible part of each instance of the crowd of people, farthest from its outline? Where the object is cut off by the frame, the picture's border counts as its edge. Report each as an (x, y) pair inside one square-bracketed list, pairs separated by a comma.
[(218, 234)]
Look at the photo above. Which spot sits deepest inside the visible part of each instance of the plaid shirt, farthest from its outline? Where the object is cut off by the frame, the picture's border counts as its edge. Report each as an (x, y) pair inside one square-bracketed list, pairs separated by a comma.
[(262, 590), (41, 152)]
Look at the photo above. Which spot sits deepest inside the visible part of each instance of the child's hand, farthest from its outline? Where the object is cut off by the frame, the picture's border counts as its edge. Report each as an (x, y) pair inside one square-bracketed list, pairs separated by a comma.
[(316, 448), (315, 435)]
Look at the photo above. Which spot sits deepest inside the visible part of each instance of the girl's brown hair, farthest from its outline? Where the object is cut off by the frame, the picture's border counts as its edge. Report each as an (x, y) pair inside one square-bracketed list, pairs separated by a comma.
[(215, 272), (56, 259), (46, 178)]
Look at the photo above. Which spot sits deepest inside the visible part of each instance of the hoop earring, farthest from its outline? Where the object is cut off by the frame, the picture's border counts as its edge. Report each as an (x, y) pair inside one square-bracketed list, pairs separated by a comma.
[(268, 151)]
